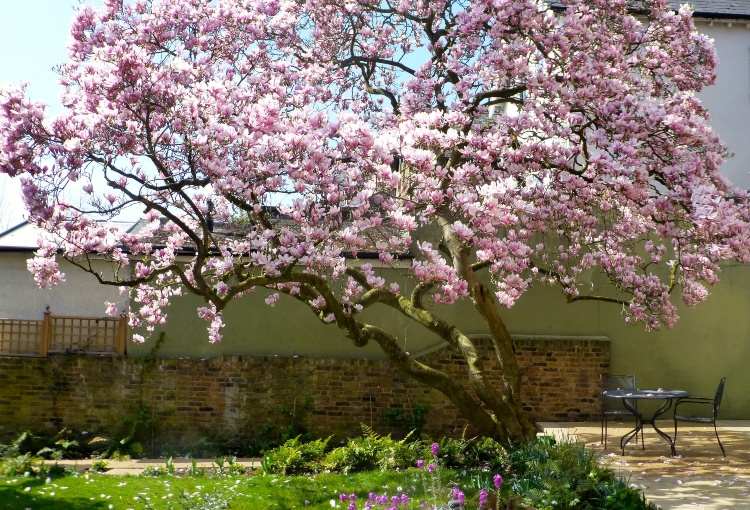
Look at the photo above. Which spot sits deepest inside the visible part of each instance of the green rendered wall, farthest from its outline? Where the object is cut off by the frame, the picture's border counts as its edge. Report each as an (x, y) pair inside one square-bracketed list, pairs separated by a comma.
[(709, 341)]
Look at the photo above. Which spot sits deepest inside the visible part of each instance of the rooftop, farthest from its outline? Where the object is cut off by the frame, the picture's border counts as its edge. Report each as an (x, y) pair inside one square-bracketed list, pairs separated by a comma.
[(710, 9), (738, 9)]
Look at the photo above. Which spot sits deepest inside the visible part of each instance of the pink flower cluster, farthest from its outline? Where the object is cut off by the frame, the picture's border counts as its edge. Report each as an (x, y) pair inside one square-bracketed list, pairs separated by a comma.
[(540, 146)]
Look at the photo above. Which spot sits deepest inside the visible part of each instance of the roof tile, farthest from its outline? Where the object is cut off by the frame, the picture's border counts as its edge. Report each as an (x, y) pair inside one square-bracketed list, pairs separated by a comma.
[(738, 9)]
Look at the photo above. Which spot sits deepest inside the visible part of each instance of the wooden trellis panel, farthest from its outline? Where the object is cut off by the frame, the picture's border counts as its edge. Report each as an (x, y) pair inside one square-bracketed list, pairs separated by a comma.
[(84, 334), (61, 334), (20, 337)]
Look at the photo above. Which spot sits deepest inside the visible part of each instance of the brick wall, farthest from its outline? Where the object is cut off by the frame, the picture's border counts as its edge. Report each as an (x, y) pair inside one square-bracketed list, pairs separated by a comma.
[(238, 398)]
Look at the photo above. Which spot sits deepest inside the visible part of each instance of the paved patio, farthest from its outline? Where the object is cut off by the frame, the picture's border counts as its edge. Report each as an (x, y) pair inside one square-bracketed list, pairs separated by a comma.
[(699, 478)]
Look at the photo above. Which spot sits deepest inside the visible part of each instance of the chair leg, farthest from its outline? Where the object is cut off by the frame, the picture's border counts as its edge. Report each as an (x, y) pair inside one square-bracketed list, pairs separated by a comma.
[(716, 431), (674, 440), (605, 431)]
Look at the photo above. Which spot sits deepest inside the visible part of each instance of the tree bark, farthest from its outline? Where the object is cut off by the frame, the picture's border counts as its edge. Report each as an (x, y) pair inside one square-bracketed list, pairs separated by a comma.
[(504, 401), (493, 411), (486, 410)]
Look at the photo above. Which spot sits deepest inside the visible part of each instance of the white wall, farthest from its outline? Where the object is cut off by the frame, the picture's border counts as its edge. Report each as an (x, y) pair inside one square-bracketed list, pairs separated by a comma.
[(729, 99), (20, 298)]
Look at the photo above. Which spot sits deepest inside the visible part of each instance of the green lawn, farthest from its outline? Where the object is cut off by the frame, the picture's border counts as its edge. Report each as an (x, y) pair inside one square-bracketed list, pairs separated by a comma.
[(96, 491)]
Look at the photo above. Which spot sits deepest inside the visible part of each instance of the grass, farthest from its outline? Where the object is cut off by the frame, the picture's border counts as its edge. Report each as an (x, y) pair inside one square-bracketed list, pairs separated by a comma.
[(96, 491)]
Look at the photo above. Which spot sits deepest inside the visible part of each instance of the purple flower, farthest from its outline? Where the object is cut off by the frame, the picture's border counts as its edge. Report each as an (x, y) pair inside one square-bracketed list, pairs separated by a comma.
[(431, 468), (497, 480), (483, 496), (435, 449), (420, 463), (458, 496)]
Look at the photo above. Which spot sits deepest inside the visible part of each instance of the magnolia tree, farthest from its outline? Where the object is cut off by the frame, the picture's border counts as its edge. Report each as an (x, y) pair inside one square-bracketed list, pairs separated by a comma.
[(497, 143)]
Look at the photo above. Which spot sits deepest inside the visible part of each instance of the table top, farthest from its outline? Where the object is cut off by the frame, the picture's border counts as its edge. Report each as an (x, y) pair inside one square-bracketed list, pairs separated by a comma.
[(657, 394)]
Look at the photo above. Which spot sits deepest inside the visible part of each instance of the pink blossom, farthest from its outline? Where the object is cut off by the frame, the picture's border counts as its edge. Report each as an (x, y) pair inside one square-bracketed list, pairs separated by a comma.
[(483, 159), (111, 309), (272, 299)]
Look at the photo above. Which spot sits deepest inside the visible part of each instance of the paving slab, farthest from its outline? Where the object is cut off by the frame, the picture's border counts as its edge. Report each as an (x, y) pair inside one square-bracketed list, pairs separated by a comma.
[(699, 478)]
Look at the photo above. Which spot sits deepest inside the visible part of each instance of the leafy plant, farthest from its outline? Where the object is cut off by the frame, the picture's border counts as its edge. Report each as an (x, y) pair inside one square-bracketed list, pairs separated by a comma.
[(26, 442), (154, 471), (99, 466), (169, 467), (473, 453), (19, 465), (194, 470), (136, 427), (62, 449), (412, 419), (50, 470), (551, 474), (228, 466), (295, 456)]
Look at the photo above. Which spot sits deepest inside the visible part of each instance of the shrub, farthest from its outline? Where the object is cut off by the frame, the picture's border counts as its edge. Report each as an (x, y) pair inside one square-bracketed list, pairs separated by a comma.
[(551, 474), (295, 457), (543, 475), (18, 465), (51, 470), (99, 466), (26, 442), (473, 453), (65, 444), (62, 449), (154, 471), (359, 454), (373, 451), (370, 451)]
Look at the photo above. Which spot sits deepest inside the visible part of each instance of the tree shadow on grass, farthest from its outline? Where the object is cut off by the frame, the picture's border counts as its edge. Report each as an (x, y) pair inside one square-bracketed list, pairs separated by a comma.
[(13, 497)]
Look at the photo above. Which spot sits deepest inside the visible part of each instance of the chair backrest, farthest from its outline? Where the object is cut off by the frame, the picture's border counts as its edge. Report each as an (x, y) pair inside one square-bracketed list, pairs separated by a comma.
[(616, 382), (719, 395)]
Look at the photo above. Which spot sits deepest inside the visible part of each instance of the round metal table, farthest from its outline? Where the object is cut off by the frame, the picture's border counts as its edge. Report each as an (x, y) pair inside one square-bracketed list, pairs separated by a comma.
[(628, 398)]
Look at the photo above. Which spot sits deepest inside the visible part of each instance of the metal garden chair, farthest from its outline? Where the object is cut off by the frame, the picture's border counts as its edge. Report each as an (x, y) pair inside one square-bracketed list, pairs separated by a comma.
[(704, 417), (613, 409)]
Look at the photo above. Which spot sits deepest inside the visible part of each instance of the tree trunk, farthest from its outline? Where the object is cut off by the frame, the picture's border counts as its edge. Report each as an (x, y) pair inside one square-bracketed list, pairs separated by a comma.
[(504, 402), (494, 410), (491, 411)]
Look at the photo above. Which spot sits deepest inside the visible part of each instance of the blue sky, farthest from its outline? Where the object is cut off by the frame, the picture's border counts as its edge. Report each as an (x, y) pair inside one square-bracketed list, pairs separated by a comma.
[(33, 39)]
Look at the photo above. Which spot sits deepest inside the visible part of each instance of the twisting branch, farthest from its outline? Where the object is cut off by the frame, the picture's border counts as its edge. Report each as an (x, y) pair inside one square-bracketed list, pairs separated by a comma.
[(356, 59), (419, 291), (498, 94), (573, 299)]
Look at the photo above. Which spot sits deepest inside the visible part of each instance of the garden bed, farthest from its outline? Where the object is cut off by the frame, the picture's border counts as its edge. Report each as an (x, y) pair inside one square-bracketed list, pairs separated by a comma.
[(366, 472)]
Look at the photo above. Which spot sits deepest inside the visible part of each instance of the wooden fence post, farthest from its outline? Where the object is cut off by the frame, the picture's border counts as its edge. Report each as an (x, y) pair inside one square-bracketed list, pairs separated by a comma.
[(45, 333), (121, 336)]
